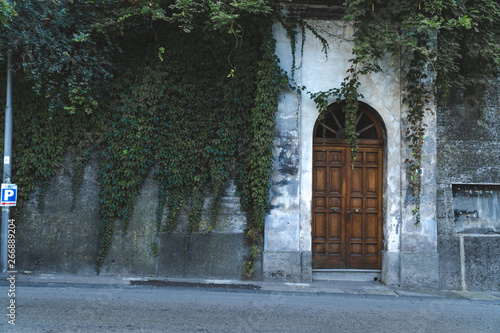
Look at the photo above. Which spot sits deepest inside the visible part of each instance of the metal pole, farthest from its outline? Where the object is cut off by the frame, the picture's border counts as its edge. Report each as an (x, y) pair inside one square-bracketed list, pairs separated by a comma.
[(7, 166)]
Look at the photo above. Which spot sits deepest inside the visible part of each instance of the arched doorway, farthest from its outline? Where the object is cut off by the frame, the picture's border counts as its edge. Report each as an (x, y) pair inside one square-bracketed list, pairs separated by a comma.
[(347, 201)]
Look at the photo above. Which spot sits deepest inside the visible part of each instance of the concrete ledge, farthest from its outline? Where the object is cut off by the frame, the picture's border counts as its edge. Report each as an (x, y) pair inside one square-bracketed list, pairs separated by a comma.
[(213, 255), (346, 275)]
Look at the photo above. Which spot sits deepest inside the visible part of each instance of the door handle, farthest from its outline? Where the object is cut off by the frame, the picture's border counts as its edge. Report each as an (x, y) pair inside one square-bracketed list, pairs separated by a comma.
[(335, 210)]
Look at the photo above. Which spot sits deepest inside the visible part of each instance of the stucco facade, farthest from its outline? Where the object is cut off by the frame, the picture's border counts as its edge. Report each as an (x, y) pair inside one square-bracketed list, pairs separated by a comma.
[(409, 253)]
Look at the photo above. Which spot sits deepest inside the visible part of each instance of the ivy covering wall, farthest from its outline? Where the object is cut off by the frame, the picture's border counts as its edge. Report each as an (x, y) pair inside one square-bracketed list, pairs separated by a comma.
[(199, 109)]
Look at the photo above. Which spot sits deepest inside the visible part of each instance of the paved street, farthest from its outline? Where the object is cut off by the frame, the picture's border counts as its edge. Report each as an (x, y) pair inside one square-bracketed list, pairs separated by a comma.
[(121, 308)]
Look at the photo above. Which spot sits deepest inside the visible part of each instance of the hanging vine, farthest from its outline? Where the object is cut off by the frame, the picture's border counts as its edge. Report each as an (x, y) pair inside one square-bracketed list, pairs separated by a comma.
[(255, 178), (435, 64), (193, 128), (417, 97)]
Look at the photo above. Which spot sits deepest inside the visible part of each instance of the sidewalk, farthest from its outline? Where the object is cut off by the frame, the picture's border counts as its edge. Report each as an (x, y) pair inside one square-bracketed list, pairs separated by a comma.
[(318, 287)]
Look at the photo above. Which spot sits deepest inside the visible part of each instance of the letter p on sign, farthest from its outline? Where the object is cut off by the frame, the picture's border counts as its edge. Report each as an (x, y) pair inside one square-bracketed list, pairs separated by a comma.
[(9, 195)]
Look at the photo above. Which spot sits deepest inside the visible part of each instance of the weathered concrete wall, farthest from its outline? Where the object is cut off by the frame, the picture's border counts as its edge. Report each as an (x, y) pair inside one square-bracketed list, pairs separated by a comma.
[(59, 240), (467, 154)]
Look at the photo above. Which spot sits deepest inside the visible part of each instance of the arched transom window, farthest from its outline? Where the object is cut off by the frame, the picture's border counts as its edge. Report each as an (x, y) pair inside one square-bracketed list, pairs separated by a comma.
[(331, 124)]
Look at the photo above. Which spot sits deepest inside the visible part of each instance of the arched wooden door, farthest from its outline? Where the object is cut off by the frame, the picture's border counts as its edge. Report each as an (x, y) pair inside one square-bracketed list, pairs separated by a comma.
[(347, 202)]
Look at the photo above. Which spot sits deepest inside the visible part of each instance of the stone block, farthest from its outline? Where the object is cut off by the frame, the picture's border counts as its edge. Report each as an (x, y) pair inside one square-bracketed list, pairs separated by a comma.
[(215, 256), (444, 191), (414, 240), (282, 266), (488, 172), (282, 232), (482, 266), (449, 263), (171, 255), (443, 209), (59, 239), (306, 266), (390, 268), (493, 94), (445, 227), (419, 269), (131, 250)]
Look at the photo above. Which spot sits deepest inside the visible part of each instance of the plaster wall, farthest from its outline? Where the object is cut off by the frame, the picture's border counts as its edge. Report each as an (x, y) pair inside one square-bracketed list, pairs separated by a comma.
[(409, 254), (291, 205)]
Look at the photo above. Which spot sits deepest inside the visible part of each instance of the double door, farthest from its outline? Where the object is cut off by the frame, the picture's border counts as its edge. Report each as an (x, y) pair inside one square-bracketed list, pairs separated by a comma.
[(347, 208)]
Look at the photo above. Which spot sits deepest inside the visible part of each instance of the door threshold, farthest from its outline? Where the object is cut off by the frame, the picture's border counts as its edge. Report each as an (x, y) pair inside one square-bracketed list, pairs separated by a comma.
[(346, 270), (346, 274)]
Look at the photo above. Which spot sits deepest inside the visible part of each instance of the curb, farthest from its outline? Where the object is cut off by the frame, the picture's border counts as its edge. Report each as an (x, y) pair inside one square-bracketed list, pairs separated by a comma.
[(367, 289)]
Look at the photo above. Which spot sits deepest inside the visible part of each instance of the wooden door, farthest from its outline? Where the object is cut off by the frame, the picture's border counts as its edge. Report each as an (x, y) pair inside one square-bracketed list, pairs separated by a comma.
[(347, 208)]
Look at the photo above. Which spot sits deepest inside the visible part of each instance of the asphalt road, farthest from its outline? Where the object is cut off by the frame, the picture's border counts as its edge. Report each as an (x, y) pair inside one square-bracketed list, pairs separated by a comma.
[(174, 309)]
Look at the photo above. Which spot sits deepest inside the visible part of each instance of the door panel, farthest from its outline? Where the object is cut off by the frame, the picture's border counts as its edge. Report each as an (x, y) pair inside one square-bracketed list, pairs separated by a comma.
[(335, 180), (356, 181), (347, 208), (335, 227), (320, 183), (371, 227), (320, 226), (371, 181)]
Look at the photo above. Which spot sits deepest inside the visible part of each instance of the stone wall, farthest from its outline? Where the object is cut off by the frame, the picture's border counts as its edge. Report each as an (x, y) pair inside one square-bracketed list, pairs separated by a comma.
[(59, 240), (467, 154)]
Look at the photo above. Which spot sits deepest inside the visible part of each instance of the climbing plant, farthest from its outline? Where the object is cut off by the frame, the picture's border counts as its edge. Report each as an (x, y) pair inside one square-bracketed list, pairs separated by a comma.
[(41, 140), (123, 80), (256, 172), (446, 45)]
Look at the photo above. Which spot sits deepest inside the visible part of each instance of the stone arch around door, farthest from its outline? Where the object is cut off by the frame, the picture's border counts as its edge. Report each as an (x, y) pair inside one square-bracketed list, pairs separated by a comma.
[(347, 201)]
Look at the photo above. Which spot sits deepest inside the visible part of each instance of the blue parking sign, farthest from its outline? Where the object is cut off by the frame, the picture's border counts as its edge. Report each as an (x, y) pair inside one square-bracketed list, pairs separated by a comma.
[(9, 195)]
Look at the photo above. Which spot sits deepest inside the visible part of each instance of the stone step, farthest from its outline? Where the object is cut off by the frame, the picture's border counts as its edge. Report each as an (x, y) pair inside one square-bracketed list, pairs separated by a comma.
[(346, 274)]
